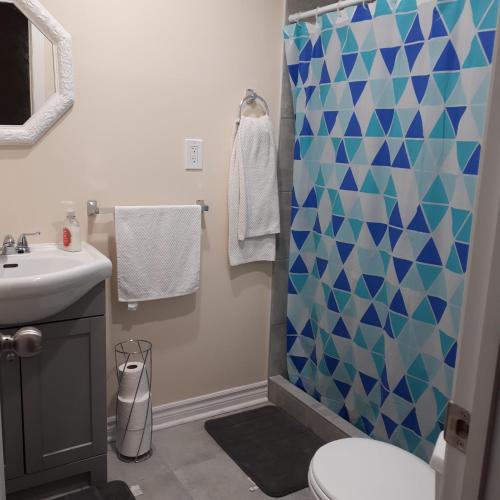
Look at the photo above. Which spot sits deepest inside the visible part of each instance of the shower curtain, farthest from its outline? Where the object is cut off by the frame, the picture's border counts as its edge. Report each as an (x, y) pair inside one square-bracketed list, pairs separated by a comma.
[(390, 102)]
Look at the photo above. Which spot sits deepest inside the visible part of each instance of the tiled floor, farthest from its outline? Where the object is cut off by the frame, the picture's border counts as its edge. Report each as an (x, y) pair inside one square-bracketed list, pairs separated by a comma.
[(187, 464)]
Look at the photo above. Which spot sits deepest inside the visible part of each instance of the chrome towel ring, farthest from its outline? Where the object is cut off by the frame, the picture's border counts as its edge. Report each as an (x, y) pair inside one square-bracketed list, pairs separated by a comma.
[(250, 98)]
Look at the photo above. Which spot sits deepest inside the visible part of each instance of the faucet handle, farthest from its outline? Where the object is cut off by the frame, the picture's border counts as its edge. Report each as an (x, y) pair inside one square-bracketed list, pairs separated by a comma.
[(9, 241), (9, 245), (22, 245)]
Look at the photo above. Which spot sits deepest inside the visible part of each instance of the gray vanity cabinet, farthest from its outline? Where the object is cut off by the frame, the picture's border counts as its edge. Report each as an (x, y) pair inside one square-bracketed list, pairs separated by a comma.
[(54, 405), (63, 410)]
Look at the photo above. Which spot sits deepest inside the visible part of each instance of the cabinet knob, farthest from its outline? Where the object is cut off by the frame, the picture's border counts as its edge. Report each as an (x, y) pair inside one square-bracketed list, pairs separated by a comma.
[(25, 343)]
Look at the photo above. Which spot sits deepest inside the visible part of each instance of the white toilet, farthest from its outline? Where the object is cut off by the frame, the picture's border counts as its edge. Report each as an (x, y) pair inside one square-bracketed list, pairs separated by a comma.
[(365, 469)]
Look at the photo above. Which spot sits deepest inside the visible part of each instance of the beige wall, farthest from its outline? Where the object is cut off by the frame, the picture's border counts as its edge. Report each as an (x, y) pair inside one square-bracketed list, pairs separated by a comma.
[(148, 74)]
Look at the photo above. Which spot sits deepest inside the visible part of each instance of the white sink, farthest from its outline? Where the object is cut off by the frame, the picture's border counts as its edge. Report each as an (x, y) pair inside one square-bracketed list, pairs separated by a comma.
[(36, 285)]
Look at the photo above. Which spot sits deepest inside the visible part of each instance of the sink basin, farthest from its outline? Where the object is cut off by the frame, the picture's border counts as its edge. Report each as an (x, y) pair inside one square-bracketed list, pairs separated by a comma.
[(47, 280)]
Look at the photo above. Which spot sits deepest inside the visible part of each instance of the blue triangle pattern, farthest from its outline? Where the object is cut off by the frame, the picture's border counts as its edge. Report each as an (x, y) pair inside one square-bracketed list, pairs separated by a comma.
[(411, 422), (330, 119), (325, 75), (403, 391), (401, 160), (402, 266), (357, 89), (415, 34), (349, 61), (420, 83), (390, 109), (389, 54), (349, 183), (370, 317), (448, 60), (383, 157), (342, 283), (340, 329), (311, 201), (487, 39), (390, 425), (418, 223), (361, 14), (416, 129), (353, 129), (398, 304), (373, 283), (300, 237), (412, 53), (344, 250), (438, 28)]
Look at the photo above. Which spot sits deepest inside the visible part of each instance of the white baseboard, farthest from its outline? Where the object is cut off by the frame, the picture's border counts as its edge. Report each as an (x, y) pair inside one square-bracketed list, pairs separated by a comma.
[(202, 407)]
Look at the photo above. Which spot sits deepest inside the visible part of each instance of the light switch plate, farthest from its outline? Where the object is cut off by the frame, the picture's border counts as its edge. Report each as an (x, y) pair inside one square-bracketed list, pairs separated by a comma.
[(193, 154)]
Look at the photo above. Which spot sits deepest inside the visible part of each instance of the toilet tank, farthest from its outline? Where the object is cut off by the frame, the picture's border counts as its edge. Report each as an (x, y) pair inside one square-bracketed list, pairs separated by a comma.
[(437, 462)]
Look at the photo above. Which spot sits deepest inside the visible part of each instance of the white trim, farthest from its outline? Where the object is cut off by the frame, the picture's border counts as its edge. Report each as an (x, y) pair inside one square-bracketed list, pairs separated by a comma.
[(62, 100), (202, 407)]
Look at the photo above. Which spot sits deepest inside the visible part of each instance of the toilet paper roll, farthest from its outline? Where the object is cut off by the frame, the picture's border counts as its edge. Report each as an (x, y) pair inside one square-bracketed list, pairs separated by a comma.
[(134, 415), (131, 375), (129, 443)]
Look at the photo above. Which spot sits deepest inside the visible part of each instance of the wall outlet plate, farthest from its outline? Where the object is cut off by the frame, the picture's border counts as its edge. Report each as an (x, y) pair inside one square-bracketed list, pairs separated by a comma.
[(193, 154)]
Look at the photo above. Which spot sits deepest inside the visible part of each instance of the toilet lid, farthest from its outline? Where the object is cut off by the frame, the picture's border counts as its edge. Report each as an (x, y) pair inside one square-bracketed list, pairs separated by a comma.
[(365, 469)]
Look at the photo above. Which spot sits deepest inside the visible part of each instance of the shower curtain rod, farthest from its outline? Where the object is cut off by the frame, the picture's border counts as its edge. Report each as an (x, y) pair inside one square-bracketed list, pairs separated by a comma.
[(342, 4)]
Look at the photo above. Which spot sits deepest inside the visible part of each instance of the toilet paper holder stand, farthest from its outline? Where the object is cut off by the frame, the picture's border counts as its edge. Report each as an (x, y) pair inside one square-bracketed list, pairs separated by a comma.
[(134, 363)]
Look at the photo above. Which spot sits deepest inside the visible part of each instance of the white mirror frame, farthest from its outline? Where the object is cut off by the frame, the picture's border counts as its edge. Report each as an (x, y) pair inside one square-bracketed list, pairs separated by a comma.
[(62, 100)]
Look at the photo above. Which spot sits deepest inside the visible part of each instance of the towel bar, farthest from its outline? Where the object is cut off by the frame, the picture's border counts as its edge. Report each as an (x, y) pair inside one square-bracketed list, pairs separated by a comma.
[(93, 208)]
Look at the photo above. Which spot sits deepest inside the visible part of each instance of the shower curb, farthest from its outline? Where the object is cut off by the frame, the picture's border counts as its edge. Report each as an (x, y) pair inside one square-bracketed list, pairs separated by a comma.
[(322, 421)]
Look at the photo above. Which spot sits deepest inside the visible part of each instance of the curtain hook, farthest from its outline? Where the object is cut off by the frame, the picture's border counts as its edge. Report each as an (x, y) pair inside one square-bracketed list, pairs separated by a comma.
[(317, 14)]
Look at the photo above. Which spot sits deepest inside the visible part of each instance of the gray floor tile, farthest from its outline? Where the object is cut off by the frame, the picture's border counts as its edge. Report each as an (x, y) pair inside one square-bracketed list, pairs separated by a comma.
[(300, 495), (217, 479), (187, 464), (133, 473), (185, 445), (163, 487)]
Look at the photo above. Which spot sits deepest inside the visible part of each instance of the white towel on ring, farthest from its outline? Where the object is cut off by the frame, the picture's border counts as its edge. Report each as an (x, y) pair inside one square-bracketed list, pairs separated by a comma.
[(256, 159), (253, 193)]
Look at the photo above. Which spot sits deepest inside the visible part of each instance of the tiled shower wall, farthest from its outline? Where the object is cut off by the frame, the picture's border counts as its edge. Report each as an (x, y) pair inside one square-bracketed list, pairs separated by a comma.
[(277, 350)]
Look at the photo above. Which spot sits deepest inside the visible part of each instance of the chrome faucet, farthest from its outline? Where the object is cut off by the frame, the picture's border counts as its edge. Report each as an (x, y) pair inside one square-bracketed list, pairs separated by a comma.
[(22, 245), (8, 245)]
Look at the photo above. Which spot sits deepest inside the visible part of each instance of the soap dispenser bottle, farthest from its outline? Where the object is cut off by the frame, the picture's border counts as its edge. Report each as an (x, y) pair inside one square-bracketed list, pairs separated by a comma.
[(71, 237)]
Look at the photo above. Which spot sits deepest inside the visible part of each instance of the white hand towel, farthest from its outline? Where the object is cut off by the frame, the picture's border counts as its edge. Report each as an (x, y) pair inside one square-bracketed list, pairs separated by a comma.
[(158, 251), (253, 193)]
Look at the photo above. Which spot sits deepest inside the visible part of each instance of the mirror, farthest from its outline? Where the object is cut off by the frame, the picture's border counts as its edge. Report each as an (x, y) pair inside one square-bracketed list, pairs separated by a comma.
[(36, 84), (27, 62)]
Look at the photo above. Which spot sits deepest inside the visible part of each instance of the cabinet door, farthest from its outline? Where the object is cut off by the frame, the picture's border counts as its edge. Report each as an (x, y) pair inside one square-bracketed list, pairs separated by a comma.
[(63, 392), (12, 415)]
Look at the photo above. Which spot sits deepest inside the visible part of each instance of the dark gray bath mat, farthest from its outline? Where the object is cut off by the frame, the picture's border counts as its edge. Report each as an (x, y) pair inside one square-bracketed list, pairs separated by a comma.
[(114, 490), (270, 446)]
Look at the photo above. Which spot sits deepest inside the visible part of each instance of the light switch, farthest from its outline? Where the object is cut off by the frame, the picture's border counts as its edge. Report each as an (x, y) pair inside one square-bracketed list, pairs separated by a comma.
[(193, 154)]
